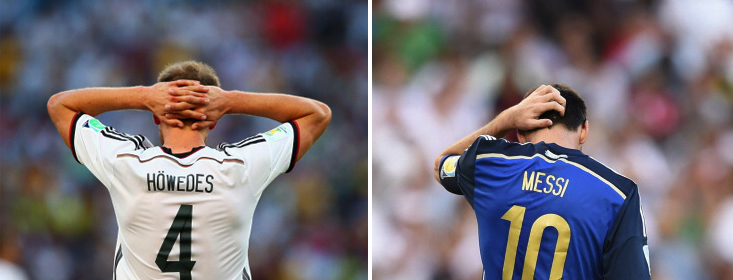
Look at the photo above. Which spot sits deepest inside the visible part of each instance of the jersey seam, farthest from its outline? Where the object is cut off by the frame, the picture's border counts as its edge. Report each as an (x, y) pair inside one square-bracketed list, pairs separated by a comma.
[(239, 161)]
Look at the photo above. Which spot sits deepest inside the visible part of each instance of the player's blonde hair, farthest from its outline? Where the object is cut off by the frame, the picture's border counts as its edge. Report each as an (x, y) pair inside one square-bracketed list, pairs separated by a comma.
[(189, 70)]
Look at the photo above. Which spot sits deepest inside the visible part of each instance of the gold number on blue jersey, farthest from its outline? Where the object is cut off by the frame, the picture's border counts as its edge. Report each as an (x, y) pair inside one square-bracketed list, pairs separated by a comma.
[(515, 216)]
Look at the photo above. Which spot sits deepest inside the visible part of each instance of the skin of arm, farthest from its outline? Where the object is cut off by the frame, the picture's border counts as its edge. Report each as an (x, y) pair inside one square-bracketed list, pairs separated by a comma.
[(522, 116), (311, 116), (63, 106)]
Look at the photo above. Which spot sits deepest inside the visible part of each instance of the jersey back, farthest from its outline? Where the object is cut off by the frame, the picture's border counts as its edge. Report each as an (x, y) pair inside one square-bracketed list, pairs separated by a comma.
[(544, 211), (182, 216)]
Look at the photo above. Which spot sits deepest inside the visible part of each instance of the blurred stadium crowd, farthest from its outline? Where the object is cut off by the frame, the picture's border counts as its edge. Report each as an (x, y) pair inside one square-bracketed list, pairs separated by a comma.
[(56, 219), (657, 76)]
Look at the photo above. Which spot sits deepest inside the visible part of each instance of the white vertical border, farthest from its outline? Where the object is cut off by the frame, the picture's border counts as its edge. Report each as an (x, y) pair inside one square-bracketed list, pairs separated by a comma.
[(369, 149)]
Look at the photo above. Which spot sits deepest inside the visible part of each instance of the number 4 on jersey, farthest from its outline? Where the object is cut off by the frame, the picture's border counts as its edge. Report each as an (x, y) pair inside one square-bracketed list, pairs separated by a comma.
[(181, 226)]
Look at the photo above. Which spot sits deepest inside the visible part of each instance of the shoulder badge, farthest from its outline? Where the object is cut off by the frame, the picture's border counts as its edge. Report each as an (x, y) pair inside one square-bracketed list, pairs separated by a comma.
[(449, 167), (94, 124), (275, 134)]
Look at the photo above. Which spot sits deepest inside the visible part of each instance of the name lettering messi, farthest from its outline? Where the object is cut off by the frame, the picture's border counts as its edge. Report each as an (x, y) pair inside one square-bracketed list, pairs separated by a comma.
[(544, 183), (188, 183)]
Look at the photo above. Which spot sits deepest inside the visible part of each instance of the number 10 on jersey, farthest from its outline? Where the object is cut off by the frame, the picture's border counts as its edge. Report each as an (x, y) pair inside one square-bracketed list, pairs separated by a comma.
[(515, 216)]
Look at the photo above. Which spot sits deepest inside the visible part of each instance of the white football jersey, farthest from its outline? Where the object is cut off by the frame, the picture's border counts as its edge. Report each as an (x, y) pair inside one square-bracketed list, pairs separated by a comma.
[(183, 216)]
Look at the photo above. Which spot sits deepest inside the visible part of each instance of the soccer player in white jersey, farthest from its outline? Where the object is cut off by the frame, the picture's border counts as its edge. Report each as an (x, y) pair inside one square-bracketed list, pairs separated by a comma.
[(184, 210)]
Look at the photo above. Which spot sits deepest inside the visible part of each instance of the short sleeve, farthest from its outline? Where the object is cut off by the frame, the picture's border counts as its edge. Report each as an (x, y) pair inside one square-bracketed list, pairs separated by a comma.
[(625, 250), (447, 173), (269, 153), (457, 172), (95, 145)]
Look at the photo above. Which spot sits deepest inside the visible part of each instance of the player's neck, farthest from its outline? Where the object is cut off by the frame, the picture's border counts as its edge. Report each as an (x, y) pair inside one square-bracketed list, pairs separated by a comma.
[(181, 140), (556, 135)]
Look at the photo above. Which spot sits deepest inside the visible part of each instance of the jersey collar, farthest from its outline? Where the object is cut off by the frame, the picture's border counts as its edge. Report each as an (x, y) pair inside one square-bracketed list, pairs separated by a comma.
[(555, 148), (181, 155)]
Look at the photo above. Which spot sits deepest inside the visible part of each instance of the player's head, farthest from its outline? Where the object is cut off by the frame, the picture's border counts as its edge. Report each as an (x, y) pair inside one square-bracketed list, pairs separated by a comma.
[(573, 124), (189, 70)]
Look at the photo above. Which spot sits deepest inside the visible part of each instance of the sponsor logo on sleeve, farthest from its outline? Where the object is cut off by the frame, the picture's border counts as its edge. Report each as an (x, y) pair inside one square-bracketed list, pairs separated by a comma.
[(94, 124), (275, 134), (449, 167)]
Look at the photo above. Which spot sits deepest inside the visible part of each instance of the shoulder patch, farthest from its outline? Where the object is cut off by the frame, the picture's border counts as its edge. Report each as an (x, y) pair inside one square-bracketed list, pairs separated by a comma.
[(449, 167), (275, 134), (94, 124)]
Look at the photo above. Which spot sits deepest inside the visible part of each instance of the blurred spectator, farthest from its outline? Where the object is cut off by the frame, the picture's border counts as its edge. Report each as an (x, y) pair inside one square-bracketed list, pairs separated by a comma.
[(57, 220), (658, 80)]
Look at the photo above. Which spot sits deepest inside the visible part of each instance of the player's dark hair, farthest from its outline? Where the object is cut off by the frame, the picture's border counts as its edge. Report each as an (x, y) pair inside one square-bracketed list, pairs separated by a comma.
[(575, 110), (190, 70)]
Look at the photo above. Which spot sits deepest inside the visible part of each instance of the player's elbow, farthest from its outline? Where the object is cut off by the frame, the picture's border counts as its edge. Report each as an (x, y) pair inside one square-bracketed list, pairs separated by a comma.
[(321, 116), (436, 168), (324, 113), (54, 103), (314, 124)]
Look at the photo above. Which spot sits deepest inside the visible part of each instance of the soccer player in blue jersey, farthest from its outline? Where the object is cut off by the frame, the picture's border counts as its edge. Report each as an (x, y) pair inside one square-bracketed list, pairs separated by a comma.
[(545, 209)]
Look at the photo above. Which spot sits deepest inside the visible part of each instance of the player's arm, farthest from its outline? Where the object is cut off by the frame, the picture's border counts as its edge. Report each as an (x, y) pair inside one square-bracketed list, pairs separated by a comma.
[(62, 107), (311, 116), (522, 116)]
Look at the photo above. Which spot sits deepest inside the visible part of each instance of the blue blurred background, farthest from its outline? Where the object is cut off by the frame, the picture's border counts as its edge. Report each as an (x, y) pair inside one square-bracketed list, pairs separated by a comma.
[(657, 76), (56, 219)]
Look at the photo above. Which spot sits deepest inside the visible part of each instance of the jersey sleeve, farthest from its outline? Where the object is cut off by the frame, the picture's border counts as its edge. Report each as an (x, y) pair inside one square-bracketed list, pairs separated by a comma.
[(269, 154), (625, 250), (457, 172), (448, 174), (95, 145)]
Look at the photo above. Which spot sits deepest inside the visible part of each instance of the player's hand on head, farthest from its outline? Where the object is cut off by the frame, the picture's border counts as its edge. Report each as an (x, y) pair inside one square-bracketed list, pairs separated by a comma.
[(214, 109), (525, 115), (186, 98), (186, 102), (203, 103), (158, 96)]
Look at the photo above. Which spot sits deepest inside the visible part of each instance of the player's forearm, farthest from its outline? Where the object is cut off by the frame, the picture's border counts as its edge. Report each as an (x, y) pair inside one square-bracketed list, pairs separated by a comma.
[(94, 101), (279, 107)]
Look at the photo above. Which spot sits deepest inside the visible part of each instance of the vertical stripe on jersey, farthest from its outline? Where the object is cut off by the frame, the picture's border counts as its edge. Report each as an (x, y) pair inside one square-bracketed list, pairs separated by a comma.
[(245, 275), (118, 257)]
